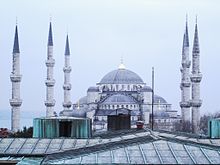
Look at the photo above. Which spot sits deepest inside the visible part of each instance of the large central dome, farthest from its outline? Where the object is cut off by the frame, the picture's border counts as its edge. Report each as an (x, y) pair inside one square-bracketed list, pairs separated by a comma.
[(121, 76)]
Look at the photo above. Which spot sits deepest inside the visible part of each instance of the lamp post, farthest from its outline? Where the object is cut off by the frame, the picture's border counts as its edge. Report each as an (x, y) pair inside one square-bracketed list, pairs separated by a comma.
[(152, 115)]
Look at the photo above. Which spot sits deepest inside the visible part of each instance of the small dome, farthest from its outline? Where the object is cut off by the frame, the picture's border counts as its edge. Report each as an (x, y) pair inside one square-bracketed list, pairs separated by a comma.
[(119, 98), (146, 89), (82, 100), (159, 99), (79, 113), (93, 89), (121, 76)]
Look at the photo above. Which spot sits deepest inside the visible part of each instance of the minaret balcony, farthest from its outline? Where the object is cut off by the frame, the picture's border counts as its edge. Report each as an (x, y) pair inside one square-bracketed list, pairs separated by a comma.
[(50, 103), (196, 78), (185, 84), (50, 62), (67, 104), (196, 103), (15, 102), (185, 104), (186, 64), (67, 69), (15, 77), (67, 86), (50, 83)]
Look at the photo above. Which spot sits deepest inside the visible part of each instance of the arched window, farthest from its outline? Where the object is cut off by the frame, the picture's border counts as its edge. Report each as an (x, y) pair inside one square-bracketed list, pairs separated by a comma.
[(116, 87)]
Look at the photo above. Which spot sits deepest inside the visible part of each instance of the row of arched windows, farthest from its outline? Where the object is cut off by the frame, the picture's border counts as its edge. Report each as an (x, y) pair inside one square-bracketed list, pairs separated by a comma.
[(127, 106), (120, 87)]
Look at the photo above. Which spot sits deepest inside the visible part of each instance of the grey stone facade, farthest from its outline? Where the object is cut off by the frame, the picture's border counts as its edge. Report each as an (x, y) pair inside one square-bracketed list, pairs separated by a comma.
[(121, 91)]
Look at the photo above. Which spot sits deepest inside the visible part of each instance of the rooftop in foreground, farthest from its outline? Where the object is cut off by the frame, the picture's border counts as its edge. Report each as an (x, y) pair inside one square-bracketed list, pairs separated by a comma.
[(127, 147)]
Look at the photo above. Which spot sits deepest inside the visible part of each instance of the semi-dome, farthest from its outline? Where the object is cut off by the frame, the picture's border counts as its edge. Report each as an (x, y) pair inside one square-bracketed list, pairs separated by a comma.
[(79, 113), (93, 89), (159, 99), (146, 89), (119, 98), (121, 76)]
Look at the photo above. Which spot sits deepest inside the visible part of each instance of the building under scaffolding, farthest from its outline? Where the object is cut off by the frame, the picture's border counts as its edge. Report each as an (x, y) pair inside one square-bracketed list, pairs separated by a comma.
[(55, 127)]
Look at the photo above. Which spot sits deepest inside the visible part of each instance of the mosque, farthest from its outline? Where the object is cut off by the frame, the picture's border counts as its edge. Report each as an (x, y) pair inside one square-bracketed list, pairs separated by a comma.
[(119, 92)]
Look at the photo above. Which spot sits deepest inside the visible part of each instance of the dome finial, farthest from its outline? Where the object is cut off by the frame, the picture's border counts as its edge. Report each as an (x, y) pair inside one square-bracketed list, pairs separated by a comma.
[(78, 105), (121, 66)]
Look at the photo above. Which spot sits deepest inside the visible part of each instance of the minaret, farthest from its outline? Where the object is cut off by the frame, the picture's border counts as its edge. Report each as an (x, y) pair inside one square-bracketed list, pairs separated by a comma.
[(15, 77), (50, 101), (196, 78), (67, 69), (185, 81)]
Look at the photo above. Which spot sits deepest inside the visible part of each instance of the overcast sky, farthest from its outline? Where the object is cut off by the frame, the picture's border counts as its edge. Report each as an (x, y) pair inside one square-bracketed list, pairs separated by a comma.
[(145, 32)]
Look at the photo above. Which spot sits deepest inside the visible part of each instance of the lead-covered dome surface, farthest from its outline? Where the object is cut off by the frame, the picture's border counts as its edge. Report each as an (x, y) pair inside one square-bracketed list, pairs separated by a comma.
[(121, 76), (119, 98), (159, 99)]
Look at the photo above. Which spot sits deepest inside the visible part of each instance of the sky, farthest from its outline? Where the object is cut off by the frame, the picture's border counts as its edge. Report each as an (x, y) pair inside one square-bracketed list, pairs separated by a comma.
[(147, 33)]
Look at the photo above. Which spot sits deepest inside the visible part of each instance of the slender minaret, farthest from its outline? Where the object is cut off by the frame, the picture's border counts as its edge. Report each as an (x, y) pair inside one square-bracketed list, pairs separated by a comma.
[(15, 76), (67, 69), (185, 80), (196, 78), (50, 101)]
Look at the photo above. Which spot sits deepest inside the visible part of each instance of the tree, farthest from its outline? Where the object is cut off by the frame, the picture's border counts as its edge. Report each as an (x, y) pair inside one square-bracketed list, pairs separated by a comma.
[(25, 133), (204, 121)]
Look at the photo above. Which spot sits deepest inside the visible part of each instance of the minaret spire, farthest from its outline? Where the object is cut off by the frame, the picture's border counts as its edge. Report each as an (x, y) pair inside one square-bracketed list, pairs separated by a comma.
[(50, 82), (16, 43), (15, 77), (196, 78), (185, 82), (121, 66), (67, 69), (50, 36), (67, 49)]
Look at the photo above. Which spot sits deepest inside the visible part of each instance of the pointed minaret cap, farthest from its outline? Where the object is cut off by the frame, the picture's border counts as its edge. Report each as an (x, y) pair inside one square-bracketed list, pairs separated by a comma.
[(50, 37), (16, 44), (186, 36), (196, 39), (121, 66), (67, 49)]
